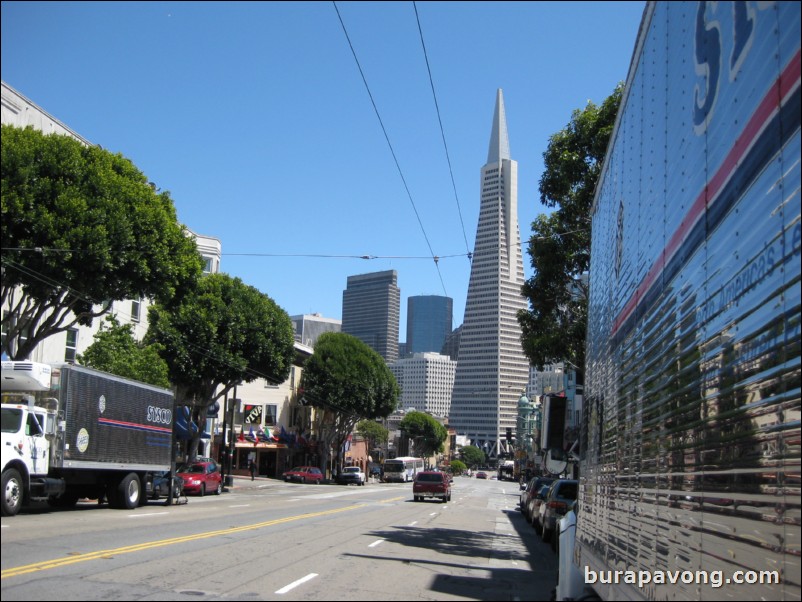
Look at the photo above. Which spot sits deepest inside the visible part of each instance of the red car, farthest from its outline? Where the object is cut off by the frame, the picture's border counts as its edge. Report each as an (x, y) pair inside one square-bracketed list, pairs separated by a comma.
[(431, 483), (304, 474), (201, 478)]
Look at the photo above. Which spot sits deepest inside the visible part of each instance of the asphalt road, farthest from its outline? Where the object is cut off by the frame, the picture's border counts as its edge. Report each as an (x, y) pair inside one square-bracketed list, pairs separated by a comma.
[(269, 540)]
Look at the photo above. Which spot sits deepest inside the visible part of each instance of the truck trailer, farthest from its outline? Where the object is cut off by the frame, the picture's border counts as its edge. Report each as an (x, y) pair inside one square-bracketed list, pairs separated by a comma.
[(690, 435), (70, 432)]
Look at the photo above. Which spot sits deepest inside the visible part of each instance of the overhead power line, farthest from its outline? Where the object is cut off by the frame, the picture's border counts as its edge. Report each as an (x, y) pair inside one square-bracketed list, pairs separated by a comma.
[(389, 144), (442, 132)]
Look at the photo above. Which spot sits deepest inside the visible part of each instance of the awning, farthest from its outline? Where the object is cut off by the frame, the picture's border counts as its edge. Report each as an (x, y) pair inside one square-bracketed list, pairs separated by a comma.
[(252, 445)]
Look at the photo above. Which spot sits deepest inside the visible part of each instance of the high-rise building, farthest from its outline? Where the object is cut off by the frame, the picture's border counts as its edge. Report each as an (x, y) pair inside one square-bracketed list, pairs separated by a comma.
[(428, 322), (309, 327), (492, 369), (426, 381), (372, 310)]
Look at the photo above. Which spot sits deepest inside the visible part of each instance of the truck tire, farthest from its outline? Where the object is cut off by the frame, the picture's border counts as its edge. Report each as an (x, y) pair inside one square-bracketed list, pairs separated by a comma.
[(12, 487), (129, 491)]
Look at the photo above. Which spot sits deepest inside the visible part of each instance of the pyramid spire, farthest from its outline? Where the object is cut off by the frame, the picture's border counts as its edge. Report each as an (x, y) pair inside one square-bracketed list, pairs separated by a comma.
[(499, 140)]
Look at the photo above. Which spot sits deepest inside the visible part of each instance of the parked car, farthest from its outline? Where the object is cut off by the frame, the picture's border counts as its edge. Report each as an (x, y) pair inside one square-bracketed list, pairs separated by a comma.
[(351, 474), (560, 496), (481, 475), (533, 508), (161, 486), (201, 477), (431, 483), (530, 489), (304, 474)]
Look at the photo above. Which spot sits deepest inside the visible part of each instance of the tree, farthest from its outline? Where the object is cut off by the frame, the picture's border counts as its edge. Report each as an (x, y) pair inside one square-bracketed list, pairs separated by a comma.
[(346, 381), (554, 326), (457, 467), (472, 455), (115, 350), (81, 227), (427, 434), (223, 334), (373, 433)]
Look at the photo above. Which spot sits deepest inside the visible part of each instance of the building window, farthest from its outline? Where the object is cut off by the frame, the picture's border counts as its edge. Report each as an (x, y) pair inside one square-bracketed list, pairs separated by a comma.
[(136, 308), (71, 346), (207, 265)]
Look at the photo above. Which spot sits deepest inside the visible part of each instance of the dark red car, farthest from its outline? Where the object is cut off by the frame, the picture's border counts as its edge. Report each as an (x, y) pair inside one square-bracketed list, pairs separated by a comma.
[(201, 478), (430, 483), (304, 474)]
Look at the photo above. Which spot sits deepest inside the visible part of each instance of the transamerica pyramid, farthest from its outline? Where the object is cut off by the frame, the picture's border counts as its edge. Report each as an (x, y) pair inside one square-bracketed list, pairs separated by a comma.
[(492, 370)]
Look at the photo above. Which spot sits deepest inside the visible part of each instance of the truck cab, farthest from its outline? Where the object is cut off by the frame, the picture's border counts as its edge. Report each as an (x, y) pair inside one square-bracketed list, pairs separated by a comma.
[(28, 423)]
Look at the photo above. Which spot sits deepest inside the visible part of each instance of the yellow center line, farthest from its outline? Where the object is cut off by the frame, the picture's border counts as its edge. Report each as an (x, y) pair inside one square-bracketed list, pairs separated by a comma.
[(60, 562)]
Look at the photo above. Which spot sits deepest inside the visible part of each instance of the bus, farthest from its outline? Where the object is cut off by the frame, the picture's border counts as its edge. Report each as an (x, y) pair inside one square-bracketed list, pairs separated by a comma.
[(402, 469)]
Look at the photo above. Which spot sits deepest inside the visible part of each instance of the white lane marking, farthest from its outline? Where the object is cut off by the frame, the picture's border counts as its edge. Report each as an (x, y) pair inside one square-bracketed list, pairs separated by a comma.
[(375, 543), (241, 506), (295, 584), (433, 514), (148, 514), (413, 523)]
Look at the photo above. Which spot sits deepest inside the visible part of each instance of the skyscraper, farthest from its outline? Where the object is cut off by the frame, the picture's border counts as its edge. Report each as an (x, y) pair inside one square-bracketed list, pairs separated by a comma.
[(492, 370), (428, 322), (371, 311)]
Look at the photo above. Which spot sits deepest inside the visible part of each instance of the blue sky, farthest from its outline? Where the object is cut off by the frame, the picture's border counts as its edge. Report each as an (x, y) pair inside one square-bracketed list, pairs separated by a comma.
[(255, 117)]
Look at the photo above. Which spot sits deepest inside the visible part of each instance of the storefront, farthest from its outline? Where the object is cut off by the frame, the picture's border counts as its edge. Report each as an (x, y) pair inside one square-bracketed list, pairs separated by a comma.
[(270, 458)]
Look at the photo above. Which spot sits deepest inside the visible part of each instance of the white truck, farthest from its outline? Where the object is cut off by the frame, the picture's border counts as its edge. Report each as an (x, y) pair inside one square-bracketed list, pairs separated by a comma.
[(70, 432), (690, 437)]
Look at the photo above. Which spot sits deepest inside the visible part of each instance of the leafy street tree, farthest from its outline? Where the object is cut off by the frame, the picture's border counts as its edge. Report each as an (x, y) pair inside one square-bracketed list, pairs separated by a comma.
[(346, 381), (554, 326), (457, 467), (374, 434), (81, 226), (426, 432), (115, 350), (223, 334), (472, 455)]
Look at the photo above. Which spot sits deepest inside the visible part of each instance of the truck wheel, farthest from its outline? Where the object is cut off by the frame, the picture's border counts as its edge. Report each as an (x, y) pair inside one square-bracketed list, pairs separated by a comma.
[(12, 492), (129, 491)]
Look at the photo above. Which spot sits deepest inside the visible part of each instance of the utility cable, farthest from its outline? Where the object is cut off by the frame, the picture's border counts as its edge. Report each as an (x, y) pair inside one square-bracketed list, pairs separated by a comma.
[(434, 257), (442, 133)]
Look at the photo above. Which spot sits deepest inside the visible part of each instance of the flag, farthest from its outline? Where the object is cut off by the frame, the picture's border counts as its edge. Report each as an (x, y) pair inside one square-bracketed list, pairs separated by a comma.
[(241, 434), (251, 436)]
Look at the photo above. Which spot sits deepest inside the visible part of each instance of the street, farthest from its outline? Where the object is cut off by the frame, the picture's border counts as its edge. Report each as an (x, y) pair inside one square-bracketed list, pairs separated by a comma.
[(269, 540)]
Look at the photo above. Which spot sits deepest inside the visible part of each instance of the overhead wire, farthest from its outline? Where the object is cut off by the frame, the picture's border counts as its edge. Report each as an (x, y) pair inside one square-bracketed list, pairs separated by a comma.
[(442, 132), (434, 257)]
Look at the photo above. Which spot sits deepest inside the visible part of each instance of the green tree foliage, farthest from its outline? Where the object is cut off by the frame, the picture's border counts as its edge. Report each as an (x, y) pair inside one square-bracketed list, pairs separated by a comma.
[(222, 334), (373, 433), (457, 467), (554, 326), (115, 350), (472, 455), (346, 381), (81, 227), (427, 434)]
